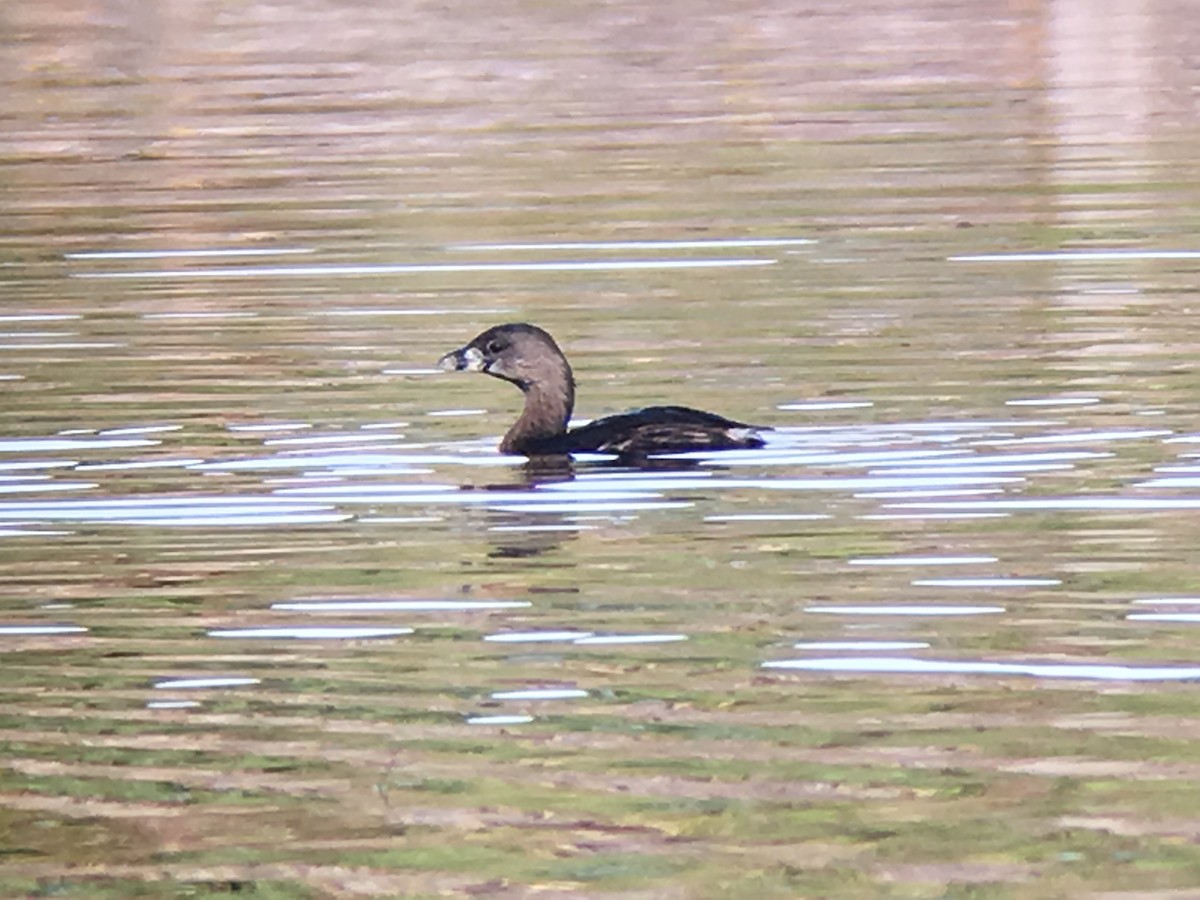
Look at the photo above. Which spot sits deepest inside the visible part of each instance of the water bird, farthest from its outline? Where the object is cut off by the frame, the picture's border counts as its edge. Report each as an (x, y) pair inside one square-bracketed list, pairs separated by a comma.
[(528, 357)]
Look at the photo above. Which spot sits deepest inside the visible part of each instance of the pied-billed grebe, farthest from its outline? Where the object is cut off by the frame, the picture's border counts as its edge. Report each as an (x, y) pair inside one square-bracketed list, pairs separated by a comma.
[(528, 357)]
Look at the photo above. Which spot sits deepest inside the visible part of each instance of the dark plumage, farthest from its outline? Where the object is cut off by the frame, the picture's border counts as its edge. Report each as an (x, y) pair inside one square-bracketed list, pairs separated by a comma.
[(529, 358)]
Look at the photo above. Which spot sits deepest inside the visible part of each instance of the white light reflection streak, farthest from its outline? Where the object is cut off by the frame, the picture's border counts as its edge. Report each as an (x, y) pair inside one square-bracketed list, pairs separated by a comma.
[(713, 243), (428, 269), (181, 254), (1079, 256), (905, 665)]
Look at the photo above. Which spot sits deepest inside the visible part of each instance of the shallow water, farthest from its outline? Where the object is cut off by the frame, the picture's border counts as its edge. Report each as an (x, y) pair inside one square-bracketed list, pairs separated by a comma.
[(277, 617)]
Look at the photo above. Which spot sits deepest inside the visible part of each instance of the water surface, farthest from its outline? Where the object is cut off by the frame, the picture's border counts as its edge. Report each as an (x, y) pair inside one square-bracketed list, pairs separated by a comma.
[(278, 617)]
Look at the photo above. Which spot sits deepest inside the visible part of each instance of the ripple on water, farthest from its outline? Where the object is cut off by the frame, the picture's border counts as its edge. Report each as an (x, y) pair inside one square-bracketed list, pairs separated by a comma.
[(614, 639), (986, 582), (134, 465), (574, 526), (20, 630), (826, 483), (316, 440), (198, 316), (188, 253), (1056, 504), (54, 444), (355, 270), (311, 632), (339, 462), (906, 665), (922, 560), (189, 684), (399, 605), (905, 610), (821, 405), (590, 506), (207, 511), (541, 694), (861, 646), (499, 720), (1054, 401), (1169, 615), (769, 517), (1083, 437), (926, 494), (268, 427), (40, 317), (963, 458), (523, 637), (1078, 256), (701, 244)]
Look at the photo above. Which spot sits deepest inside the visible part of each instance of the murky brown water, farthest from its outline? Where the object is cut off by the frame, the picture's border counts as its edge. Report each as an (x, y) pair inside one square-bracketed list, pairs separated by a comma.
[(277, 618)]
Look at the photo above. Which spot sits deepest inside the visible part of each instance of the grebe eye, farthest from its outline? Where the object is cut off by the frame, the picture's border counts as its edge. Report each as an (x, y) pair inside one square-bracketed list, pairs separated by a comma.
[(494, 346)]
